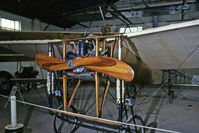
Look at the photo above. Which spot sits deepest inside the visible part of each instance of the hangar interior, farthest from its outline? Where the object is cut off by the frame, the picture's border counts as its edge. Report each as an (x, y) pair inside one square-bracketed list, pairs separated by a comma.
[(156, 39)]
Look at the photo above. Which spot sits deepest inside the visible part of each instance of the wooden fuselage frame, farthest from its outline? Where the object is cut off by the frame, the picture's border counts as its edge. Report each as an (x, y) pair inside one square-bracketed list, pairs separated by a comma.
[(136, 64), (99, 108)]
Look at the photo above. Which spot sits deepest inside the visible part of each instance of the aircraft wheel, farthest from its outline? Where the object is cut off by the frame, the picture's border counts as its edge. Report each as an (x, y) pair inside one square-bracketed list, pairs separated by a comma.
[(132, 129), (128, 117), (5, 84), (63, 123)]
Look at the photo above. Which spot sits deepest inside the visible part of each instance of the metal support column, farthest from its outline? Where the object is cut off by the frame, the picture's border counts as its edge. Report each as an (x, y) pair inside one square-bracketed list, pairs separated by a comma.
[(50, 79), (119, 83), (13, 127)]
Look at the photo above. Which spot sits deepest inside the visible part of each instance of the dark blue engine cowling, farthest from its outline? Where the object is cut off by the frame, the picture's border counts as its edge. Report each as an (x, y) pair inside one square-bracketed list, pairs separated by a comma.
[(84, 76), (81, 72), (83, 46)]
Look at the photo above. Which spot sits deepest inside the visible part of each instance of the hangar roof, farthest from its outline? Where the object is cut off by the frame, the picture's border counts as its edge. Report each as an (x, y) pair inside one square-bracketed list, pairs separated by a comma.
[(57, 12), (65, 13)]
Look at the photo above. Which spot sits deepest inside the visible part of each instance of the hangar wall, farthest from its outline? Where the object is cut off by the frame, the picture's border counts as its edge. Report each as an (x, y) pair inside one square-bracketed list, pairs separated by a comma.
[(29, 24), (26, 25)]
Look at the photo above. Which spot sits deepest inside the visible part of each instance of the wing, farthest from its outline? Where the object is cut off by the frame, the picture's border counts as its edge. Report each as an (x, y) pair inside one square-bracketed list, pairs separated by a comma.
[(30, 43), (168, 47), (33, 36)]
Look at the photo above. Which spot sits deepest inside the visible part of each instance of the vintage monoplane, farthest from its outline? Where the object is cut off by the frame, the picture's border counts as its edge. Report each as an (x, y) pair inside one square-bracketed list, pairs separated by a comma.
[(127, 57)]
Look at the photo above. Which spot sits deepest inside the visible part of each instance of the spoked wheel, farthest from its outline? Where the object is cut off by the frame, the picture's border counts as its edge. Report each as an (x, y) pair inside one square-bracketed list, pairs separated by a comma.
[(138, 121), (128, 117), (65, 124)]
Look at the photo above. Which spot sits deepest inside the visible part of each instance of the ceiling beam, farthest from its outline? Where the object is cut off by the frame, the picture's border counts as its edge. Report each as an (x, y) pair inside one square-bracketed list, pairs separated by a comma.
[(116, 16), (121, 15), (153, 4)]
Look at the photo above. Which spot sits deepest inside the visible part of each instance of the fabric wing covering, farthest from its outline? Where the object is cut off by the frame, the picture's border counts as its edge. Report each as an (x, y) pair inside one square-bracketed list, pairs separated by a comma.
[(174, 46), (30, 43)]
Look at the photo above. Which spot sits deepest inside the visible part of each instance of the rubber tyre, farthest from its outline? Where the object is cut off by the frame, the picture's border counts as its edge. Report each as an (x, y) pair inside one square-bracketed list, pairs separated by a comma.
[(72, 127), (138, 121)]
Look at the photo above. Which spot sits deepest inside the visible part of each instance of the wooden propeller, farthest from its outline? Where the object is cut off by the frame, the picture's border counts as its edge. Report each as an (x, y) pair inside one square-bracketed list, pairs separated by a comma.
[(105, 65)]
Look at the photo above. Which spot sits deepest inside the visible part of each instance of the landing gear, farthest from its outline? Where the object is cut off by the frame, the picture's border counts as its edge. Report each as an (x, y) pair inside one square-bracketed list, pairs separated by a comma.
[(170, 91), (65, 124), (70, 124), (132, 129), (129, 115), (171, 96)]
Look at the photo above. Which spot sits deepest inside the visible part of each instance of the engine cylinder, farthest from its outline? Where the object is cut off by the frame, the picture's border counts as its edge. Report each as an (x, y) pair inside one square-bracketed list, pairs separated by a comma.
[(82, 48)]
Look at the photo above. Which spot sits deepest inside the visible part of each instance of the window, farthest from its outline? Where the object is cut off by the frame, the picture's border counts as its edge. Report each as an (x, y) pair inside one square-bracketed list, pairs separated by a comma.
[(130, 29), (8, 24)]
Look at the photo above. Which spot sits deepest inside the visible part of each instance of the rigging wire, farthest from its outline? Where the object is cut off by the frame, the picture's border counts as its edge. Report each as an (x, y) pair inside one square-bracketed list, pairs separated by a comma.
[(188, 57), (142, 22), (90, 23), (41, 71)]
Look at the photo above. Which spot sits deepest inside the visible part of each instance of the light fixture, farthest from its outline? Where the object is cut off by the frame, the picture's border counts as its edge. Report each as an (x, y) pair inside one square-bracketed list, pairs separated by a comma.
[(108, 15), (185, 6)]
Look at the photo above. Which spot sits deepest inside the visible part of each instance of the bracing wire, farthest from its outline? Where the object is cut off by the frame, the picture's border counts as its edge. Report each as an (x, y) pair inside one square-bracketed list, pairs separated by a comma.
[(91, 20), (36, 49), (41, 71)]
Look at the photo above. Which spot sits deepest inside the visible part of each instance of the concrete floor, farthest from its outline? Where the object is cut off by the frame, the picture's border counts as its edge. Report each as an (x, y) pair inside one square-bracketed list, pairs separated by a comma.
[(156, 111)]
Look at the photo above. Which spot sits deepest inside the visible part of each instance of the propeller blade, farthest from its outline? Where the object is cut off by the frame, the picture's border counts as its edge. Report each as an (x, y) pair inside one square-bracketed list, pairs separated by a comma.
[(120, 71), (105, 65), (53, 64), (50, 63)]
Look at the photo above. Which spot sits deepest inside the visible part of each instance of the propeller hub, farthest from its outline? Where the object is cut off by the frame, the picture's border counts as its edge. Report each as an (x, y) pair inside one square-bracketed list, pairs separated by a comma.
[(70, 64)]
